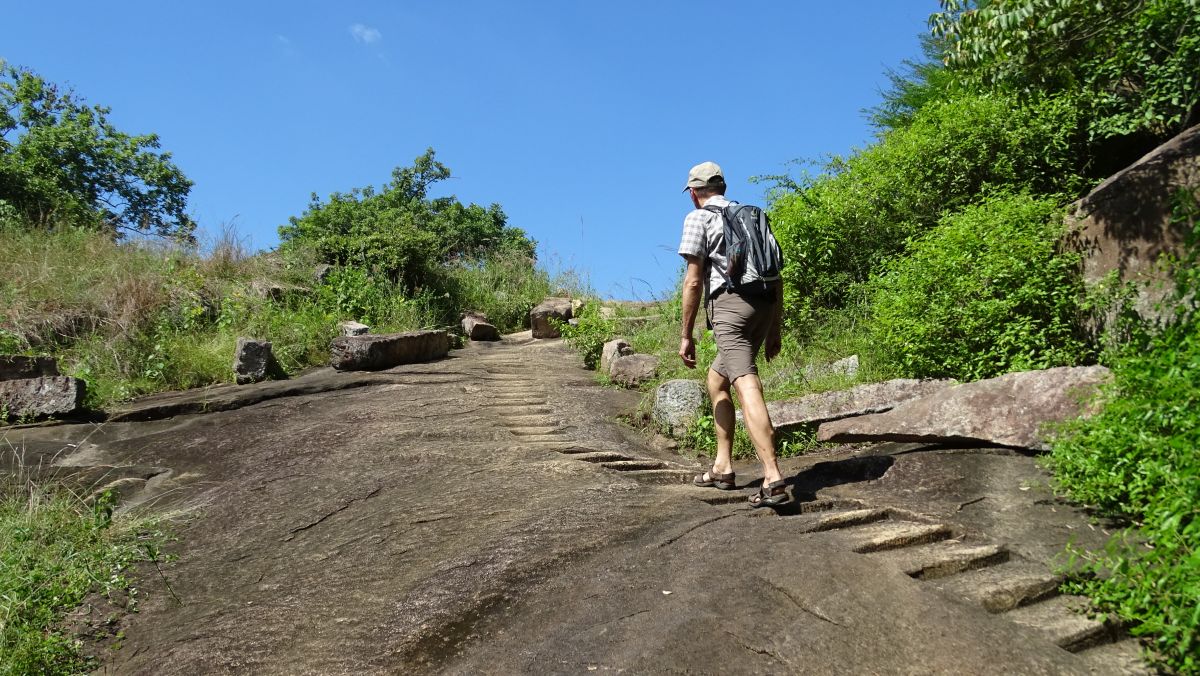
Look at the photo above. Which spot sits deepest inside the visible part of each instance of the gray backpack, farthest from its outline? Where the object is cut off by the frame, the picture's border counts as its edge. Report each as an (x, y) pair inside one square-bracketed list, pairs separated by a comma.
[(755, 260)]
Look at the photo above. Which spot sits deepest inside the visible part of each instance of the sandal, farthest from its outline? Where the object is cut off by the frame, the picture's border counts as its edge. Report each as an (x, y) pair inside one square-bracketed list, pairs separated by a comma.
[(722, 481), (770, 495)]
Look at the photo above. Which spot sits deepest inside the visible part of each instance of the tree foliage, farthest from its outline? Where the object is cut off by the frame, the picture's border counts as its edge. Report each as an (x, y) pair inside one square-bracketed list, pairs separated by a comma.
[(401, 233), (840, 227), (62, 161), (1132, 63)]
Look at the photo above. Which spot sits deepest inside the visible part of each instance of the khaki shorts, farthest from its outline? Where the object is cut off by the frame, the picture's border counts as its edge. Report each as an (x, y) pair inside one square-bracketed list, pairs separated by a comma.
[(740, 325)]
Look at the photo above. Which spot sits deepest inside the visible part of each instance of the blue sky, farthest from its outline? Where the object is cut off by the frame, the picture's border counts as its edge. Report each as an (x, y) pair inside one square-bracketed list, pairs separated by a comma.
[(580, 119)]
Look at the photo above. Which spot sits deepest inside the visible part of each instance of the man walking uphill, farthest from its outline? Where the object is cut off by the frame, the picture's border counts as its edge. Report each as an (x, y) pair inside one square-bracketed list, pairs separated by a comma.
[(744, 305)]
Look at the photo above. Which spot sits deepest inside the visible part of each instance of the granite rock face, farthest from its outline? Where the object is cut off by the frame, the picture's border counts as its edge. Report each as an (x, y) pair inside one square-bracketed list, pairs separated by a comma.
[(376, 352), (1125, 225), (42, 397), (551, 308), (617, 347), (814, 409), (476, 327), (677, 403), (633, 370), (1013, 410), (15, 367), (252, 362)]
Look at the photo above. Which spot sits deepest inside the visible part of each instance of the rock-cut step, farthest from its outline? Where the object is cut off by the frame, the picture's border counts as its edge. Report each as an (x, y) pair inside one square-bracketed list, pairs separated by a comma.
[(1001, 588), (885, 535), (599, 456), (836, 519), (633, 465), (1060, 619), (1123, 658), (942, 559)]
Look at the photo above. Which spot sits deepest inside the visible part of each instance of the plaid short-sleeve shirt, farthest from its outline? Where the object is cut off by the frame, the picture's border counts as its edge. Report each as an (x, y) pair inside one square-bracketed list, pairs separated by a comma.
[(703, 237)]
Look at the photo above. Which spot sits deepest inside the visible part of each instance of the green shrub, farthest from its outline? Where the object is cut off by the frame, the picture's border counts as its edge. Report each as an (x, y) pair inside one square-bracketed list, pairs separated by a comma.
[(984, 293), (837, 229), (589, 334), (1137, 460)]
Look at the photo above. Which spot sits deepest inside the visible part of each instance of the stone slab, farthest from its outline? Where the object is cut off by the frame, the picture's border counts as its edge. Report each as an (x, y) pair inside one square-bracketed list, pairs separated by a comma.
[(43, 397), (815, 409), (1014, 410), (377, 352)]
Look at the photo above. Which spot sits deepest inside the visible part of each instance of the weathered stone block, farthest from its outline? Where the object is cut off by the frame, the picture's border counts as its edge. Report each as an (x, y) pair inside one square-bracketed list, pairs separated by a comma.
[(375, 352), (476, 327), (14, 367), (252, 361), (677, 403), (617, 347), (41, 397), (551, 308), (633, 370), (814, 409), (354, 329), (1013, 410)]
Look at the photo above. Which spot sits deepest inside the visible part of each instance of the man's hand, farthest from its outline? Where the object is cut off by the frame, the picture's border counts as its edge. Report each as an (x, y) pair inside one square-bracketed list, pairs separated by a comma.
[(687, 352), (774, 343)]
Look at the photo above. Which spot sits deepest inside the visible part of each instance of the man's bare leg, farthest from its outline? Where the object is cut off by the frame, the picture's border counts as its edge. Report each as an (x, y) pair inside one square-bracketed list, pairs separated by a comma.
[(723, 419), (758, 423)]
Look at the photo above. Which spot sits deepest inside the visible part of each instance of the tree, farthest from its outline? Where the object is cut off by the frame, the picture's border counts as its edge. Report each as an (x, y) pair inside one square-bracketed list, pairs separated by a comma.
[(63, 162), (400, 232), (1133, 63)]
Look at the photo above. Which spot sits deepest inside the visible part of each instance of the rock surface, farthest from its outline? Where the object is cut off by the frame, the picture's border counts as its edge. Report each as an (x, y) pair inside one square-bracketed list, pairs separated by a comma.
[(814, 409), (1012, 411), (252, 361), (417, 526), (1125, 224), (476, 327), (46, 396), (16, 367), (634, 369), (551, 308), (677, 403), (617, 347), (354, 329), (373, 353)]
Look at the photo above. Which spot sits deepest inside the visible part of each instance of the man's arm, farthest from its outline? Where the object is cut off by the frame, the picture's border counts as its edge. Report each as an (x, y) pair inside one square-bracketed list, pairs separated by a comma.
[(693, 283)]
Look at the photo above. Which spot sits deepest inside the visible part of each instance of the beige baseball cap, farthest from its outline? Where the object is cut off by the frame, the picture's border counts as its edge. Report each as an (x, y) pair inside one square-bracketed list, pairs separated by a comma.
[(704, 174)]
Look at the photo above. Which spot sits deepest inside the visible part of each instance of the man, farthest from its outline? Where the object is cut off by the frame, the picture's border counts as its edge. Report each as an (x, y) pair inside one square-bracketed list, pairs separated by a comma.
[(742, 323)]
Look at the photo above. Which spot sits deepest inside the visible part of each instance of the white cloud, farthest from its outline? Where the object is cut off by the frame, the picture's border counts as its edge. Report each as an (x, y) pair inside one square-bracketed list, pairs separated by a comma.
[(365, 34)]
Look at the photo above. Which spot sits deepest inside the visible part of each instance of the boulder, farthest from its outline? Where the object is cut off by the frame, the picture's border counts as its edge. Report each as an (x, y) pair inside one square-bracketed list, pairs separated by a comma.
[(265, 288), (677, 403), (354, 329), (617, 347), (41, 397), (607, 312), (13, 367), (476, 327), (551, 308), (1013, 410), (375, 352), (633, 370), (814, 409), (252, 361), (321, 272), (1125, 225)]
